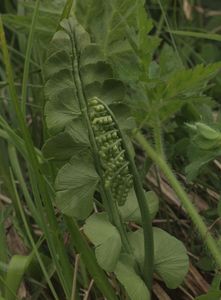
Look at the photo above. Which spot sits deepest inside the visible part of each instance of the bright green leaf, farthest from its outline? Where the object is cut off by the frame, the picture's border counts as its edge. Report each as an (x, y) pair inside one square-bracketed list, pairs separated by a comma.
[(130, 210), (61, 147), (16, 269), (207, 132), (61, 107), (75, 186), (134, 285), (215, 285), (191, 80), (106, 239), (112, 24), (113, 91), (73, 140), (170, 257), (172, 263), (212, 295)]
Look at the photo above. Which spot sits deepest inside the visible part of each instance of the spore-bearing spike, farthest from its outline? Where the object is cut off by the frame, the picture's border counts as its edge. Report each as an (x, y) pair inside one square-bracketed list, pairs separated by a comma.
[(109, 141)]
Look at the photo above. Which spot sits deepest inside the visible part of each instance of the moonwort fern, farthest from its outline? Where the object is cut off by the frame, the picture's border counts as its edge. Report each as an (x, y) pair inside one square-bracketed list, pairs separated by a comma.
[(82, 77), (92, 156)]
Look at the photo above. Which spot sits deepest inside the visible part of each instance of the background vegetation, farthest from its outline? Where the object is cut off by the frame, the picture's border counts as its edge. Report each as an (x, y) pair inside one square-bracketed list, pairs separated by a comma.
[(39, 249)]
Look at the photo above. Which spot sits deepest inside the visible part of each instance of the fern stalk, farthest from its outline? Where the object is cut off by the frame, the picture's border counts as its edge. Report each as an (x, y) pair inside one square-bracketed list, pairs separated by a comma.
[(144, 210)]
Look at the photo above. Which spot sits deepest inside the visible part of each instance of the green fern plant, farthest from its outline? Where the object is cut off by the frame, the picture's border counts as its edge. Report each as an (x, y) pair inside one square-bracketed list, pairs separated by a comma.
[(93, 161)]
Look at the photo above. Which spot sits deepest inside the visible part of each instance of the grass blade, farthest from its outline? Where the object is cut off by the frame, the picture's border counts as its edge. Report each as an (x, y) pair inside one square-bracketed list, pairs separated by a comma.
[(39, 186), (34, 247), (199, 35), (16, 269), (3, 247), (28, 57)]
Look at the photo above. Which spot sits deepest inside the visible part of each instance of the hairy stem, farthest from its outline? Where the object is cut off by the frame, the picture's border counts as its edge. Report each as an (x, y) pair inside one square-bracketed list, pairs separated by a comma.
[(186, 202), (157, 131)]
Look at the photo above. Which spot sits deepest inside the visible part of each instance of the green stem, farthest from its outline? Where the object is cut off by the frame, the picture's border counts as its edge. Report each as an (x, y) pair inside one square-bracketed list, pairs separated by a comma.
[(186, 202), (146, 223), (116, 218), (158, 138), (158, 141), (144, 210)]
